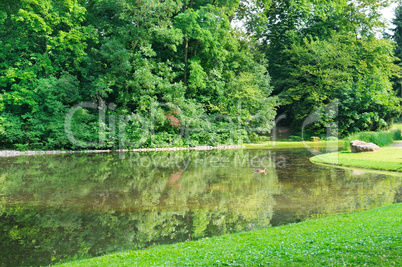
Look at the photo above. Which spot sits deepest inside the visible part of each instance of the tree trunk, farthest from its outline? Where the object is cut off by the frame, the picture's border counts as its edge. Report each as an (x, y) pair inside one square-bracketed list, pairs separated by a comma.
[(185, 60)]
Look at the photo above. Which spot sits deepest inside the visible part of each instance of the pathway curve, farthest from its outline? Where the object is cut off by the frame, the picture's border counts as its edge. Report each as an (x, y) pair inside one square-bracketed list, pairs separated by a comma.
[(399, 145)]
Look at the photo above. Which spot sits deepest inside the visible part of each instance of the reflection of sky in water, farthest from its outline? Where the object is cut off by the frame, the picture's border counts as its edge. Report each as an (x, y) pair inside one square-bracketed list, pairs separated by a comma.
[(56, 207)]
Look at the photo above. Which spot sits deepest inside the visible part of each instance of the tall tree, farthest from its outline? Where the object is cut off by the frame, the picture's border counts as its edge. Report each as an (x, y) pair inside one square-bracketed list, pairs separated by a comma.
[(397, 38), (355, 73), (312, 46)]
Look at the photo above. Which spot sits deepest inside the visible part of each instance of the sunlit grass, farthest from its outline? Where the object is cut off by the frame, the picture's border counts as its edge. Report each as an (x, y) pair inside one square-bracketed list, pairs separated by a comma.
[(370, 238), (387, 159), (294, 144)]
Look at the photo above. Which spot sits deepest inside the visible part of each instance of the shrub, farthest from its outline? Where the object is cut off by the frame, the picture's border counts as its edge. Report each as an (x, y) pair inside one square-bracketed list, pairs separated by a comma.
[(378, 138), (332, 138), (295, 138), (397, 134)]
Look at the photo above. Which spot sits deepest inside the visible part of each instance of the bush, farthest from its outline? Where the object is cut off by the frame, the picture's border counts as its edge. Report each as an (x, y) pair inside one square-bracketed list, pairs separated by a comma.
[(295, 138), (397, 134), (332, 138), (378, 138)]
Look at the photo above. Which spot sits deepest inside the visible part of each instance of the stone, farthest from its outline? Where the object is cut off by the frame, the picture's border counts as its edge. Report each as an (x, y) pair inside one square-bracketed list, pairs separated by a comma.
[(358, 146)]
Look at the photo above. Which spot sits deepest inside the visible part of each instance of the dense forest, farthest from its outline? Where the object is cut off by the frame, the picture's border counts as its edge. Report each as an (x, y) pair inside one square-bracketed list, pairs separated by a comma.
[(146, 73)]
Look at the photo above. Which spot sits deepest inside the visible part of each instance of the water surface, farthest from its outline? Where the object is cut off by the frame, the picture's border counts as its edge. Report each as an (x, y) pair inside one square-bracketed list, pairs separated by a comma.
[(64, 207)]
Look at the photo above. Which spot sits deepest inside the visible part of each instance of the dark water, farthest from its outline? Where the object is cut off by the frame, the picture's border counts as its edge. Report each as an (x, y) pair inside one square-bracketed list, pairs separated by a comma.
[(65, 207)]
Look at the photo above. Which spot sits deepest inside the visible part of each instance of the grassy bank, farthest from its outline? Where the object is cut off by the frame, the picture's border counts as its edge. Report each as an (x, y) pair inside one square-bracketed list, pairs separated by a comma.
[(295, 144), (370, 237), (387, 159)]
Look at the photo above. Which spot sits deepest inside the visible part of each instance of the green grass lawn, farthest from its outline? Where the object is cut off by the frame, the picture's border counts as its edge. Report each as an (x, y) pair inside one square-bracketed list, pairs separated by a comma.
[(372, 238), (294, 144), (387, 159)]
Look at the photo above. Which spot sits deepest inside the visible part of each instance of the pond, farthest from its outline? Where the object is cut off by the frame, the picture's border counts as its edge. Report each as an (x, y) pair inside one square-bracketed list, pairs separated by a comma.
[(64, 207)]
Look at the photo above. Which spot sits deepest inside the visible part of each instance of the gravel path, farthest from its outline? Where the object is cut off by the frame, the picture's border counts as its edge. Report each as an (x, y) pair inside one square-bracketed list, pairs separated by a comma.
[(397, 145)]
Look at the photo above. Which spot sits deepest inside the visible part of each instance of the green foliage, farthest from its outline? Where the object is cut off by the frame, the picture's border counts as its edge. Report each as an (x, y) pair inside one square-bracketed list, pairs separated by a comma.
[(397, 134), (355, 73), (154, 60), (158, 61), (320, 52), (41, 55), (295, 138), (397, 31), (367, 105), (378, 138), (397, 38)]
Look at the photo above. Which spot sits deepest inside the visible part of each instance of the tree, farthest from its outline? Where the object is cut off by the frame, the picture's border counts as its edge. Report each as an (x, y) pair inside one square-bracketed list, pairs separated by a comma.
[(180, 61), (397, 38), (356, 73), (397, 31), (189, 59), (317, 49), (43, 47)]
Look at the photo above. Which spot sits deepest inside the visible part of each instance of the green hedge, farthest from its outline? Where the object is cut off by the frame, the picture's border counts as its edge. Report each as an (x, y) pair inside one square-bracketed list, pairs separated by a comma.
[(378, 138)]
